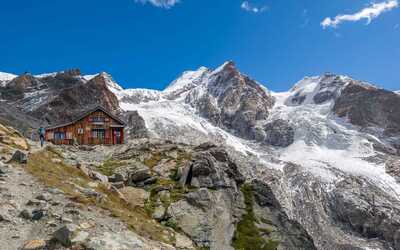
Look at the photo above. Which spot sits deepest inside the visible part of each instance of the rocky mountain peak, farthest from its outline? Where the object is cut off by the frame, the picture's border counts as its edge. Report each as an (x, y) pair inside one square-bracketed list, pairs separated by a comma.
[(187, 81), (6, 77), (317, 89), (71, 72), (367, 106), (24, 81), (110, 82), (226, 66), (231, 100)]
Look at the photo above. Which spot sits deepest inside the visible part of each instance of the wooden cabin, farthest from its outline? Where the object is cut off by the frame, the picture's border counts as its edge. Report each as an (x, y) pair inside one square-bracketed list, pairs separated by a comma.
[(95, 127)]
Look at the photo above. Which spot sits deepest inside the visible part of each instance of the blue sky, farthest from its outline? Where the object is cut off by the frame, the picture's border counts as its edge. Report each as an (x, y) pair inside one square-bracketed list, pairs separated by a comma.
[(276, 42)]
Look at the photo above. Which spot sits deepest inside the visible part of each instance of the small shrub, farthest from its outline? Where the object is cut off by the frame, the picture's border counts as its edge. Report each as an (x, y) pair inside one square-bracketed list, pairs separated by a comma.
[(172, 224)]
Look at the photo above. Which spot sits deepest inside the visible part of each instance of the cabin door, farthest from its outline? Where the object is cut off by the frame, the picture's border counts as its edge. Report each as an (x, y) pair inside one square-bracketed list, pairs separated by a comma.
[(80, 136), (117, 136)]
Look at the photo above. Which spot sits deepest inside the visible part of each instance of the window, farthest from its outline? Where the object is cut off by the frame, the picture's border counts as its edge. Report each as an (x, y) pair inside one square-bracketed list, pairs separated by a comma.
[(98, 133), (98, 119), (59, 136), (80, 131), (68, 136)]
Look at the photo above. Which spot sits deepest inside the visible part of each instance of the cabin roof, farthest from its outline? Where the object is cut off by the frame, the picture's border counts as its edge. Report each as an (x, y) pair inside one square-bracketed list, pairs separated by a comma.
[(86, 113)]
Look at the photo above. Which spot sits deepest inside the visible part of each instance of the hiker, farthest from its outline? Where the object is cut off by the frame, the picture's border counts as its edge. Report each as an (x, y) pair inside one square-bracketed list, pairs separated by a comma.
[(42, 133)]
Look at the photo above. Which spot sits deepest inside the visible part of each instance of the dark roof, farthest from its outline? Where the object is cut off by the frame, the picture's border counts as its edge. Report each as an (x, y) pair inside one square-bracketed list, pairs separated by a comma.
[(86, 113)]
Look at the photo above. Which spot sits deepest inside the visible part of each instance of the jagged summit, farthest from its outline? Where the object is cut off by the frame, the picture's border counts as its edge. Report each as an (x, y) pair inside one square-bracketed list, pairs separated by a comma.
[(187, 80), (6, 77), (327, 149)]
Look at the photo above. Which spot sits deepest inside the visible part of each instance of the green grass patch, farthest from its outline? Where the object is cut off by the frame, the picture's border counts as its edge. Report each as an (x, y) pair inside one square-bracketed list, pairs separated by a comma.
[(247, 235), (154, 159), (108, 167), (55, 151)]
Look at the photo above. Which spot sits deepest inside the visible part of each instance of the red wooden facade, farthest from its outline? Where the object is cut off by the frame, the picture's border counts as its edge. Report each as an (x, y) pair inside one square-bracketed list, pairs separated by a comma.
[(95, 127)]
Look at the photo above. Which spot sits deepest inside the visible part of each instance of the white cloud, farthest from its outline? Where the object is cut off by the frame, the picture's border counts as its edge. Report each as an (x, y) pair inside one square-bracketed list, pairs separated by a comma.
[(160, 3), (369, 13), (251, 8)]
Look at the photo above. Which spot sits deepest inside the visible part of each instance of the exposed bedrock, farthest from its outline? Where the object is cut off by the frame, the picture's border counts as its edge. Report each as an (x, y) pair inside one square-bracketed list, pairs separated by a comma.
[(367, 106), (352, 213)]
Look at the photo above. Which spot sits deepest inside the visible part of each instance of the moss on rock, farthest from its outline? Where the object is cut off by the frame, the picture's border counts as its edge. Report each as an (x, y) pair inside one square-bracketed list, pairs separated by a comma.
[(247, 235)]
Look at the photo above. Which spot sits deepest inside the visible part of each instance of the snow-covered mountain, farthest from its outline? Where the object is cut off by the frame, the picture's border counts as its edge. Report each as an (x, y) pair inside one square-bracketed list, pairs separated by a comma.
[(322, 163), (5, 77), (329, 147)]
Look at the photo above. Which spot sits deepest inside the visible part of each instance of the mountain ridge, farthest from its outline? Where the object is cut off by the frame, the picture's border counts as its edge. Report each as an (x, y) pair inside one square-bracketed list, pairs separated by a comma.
[(320, 146)]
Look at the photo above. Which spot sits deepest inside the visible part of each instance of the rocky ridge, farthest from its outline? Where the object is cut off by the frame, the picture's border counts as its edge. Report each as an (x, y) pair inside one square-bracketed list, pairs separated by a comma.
[(316, 150)]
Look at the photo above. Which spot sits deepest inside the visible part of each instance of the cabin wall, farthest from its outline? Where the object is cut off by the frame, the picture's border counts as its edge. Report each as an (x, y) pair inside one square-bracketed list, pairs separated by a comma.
[(94, 129)]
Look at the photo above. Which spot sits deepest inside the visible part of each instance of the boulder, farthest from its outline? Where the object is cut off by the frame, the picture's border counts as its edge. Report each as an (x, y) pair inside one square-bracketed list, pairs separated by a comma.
[(5, 217), (34, 245), (19, 157), (25, 214), (134, 196), (159, 213), (209, 171), (140, 175), (38, 214), (56, 161), (133, 174), (99, 177), (66, 234), (44, 197), (183, 242), (125, 240), (165, 168), (34, 214)]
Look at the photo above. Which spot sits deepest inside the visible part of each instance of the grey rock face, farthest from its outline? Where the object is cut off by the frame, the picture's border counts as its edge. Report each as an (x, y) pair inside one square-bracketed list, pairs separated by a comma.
[(54, 99), (136, 126), (368, 106), (121, 241), (279, 133), (291, 234), (24, 123), (369, 215), (349, 214), (16, 88), (212, 169), (322, 97), (133, 174), (393, 168), (328, 88), (196, 214), (232, 101), (69, 102)]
